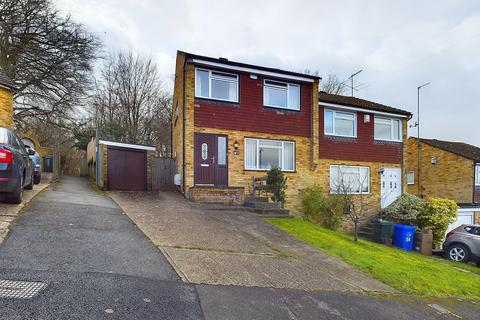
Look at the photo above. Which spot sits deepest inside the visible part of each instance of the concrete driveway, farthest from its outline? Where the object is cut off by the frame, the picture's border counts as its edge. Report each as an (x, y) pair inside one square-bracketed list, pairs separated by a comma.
[(236, 247)]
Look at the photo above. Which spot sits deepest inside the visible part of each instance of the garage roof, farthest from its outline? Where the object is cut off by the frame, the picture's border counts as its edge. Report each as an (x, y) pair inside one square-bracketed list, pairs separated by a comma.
[(126, 145)]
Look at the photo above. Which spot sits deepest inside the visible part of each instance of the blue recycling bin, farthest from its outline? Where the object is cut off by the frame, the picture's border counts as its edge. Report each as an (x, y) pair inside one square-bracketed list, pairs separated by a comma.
[(403, 236)]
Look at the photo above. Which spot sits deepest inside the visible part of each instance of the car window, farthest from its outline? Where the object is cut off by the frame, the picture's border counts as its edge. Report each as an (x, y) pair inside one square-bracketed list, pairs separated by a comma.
[(472, 230)]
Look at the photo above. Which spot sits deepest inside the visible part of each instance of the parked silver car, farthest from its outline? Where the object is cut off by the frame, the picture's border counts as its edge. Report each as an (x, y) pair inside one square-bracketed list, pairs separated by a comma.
[(463, 243)]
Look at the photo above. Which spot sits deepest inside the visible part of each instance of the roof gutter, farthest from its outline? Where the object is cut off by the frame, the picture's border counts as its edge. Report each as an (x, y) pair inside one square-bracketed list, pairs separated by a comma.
[(344, 107), (252, 70)]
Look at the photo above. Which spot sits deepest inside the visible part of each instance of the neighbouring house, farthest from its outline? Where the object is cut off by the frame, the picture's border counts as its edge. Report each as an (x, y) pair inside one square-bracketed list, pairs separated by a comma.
[(120, 166), (447, 170), (233, 121), (45, 153), (6, 101)]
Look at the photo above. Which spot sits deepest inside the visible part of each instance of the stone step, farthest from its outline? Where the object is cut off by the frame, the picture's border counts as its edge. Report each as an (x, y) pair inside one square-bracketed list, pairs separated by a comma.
[(255, 199), (263, 205)]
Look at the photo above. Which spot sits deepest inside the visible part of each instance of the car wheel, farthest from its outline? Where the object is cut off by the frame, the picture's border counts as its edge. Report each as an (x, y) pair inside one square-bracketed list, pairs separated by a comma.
[(36, 179), (30, 185), (458, 252), (16, 196)]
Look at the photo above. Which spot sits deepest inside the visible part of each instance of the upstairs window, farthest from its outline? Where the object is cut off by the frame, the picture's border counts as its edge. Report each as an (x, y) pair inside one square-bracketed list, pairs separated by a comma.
[(216, 85), (340, 123), (349, 179), (281, 95), (477, 175), (388, 129)]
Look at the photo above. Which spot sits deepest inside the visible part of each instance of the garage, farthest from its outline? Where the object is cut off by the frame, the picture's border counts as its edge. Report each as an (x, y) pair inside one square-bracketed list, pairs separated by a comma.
[(127, 169), (464, 216), (124, 166)]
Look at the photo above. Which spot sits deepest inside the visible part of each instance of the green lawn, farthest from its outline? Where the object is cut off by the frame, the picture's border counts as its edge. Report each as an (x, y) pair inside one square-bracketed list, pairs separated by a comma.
[(410, 273)]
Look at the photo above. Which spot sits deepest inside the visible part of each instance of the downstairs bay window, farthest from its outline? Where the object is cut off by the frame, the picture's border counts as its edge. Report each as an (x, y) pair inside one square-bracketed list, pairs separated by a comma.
[(262, 154), (349, 179)]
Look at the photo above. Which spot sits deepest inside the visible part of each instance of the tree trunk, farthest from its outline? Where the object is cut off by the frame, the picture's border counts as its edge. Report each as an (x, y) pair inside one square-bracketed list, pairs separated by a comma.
[(355, 236)]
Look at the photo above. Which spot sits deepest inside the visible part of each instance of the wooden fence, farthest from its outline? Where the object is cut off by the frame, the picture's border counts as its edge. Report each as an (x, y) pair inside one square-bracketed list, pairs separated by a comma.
[(163, 171)]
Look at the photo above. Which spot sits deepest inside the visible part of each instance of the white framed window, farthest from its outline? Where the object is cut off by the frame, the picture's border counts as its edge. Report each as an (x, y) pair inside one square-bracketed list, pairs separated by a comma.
[(340, 123), (349, 179), (477, 175), (216, 85), (410, 177), (262, 154), (387, 129), (281, 95)]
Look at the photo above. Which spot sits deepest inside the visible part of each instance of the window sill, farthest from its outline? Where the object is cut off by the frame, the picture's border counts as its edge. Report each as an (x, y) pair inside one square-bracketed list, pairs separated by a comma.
[(266, 170), (236, 103), (283, 109), (339, 136), (385, 140)]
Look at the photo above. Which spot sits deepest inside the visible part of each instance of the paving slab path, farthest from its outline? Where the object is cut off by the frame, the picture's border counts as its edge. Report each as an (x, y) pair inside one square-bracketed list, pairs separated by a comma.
[(236, 247)]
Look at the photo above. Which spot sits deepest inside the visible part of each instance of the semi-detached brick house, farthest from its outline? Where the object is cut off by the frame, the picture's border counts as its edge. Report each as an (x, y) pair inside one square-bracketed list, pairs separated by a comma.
[(447, 170), (233, 121)]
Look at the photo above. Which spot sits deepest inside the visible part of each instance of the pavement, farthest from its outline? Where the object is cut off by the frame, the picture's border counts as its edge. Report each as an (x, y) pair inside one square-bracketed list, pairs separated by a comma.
[(10, 212), (96, 264), (236, 247)]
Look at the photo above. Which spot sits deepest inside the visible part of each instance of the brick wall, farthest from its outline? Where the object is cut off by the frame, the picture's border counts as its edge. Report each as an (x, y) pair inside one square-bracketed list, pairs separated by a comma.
[(303, 177), (451, 177), (229, 196), (6, 108), (177, 113)]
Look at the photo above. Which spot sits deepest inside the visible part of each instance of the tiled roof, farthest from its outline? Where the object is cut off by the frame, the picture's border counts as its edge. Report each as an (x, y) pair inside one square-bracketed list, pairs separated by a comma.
[(462, 149), (359, 103), (245, 65), (4, 81)]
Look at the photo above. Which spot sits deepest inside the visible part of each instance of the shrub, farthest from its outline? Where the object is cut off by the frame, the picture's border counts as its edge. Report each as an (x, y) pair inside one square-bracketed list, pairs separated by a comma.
[(276, 185), (405, 209), (437, 215), (322, 209)]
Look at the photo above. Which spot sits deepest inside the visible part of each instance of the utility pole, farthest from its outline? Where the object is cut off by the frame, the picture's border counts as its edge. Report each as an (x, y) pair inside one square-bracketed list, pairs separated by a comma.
[(418, 138), (351, 78)]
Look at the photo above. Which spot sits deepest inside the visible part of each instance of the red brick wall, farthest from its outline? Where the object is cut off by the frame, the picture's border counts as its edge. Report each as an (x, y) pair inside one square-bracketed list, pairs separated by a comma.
[(250, 114), (476, 197), (362, 148)]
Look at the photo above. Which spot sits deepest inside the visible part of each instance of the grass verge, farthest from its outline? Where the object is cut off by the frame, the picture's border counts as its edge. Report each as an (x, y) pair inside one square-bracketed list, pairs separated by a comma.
[(410, 273)]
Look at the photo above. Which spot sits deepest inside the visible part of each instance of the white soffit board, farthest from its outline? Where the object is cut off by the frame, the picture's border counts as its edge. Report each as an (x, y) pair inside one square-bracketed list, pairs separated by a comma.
[(125, 145), (343, 107), (252, 70)]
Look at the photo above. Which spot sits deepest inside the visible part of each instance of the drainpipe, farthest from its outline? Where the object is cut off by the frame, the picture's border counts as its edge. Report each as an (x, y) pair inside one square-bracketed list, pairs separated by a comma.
[(96, 155), (184, 120)]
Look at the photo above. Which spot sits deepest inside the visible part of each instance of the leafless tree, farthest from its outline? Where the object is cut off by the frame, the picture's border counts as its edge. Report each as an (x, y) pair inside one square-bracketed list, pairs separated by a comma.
[(333, 85), (48, 57), (130, 103), (352, 191)]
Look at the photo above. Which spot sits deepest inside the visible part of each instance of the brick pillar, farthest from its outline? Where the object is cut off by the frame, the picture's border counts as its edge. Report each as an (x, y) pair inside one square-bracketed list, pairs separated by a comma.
[(6, 108)]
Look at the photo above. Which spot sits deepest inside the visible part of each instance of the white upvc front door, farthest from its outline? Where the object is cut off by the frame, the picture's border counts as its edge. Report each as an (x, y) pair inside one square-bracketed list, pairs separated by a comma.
[(391, 185)]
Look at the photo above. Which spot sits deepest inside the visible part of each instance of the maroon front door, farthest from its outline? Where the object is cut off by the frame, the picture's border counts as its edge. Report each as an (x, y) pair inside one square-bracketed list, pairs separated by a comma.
[(211, 159)]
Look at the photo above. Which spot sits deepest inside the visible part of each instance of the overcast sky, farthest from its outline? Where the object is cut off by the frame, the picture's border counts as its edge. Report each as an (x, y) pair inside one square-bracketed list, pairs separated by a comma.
[(398, 44)]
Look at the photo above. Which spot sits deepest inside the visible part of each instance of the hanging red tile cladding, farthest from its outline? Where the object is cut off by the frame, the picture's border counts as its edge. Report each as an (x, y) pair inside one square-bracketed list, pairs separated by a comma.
[(251, 115), (476, 195), (362, 148)]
